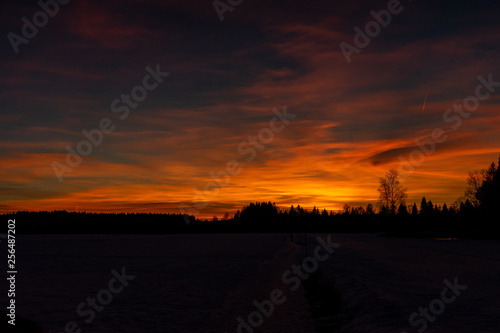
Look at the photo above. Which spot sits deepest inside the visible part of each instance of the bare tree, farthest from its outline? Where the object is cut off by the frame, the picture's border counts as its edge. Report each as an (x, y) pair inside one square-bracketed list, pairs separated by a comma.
[(392, 193), (474, 183), (483, 188)]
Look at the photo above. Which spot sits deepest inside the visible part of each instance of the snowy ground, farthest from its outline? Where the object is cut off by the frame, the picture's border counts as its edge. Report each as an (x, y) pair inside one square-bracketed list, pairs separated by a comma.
[(203, 283), (384, 280), (180, 279)]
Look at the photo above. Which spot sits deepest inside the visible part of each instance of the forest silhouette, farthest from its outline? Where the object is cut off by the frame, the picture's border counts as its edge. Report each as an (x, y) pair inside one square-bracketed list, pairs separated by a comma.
[(471, 216)]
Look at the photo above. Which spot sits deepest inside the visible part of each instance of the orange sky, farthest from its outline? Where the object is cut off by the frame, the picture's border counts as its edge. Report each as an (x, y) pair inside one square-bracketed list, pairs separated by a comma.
[(352, 121)]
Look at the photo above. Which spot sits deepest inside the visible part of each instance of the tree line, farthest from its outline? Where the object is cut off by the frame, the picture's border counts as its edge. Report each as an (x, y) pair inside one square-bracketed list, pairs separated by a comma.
[(470, 216), (473, 215), (481, 197)]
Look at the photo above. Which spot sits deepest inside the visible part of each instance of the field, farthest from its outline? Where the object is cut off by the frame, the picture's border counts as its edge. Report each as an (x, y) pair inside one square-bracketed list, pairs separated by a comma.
[(204, 283)]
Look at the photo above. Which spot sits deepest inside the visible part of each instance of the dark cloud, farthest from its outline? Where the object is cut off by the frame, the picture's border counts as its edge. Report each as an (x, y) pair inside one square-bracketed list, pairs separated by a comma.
[(353, 120)]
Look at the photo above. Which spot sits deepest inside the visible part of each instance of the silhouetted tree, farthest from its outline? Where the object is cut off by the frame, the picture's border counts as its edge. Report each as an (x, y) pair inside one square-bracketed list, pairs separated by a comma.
[(466, 208), (385, 211), (414, 210), (445, 211), (402, 210), (430, 207), (369, 209), (346, 210), (391, 192), (474, 182), (423, 206), (259, 214), (483, 189), (300, 211), (357, 210)]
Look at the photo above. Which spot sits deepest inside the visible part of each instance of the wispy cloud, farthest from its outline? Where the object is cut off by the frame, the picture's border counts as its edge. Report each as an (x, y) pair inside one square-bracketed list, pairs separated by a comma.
[(354, 120)]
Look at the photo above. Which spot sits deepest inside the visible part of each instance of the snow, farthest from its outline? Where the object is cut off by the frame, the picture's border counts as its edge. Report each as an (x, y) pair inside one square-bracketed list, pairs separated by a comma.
[(382, 281), (203, 283), (180, 279)]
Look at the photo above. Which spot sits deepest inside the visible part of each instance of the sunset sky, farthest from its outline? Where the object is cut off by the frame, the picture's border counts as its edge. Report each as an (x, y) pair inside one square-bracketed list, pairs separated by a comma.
[(353, 120)]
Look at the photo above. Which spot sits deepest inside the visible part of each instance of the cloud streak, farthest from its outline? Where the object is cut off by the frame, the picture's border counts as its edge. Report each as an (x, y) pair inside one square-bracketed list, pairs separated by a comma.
[(354, 121)]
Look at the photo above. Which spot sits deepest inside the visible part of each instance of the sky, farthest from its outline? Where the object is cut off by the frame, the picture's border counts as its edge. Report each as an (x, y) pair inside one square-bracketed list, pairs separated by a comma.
[(279, 100)]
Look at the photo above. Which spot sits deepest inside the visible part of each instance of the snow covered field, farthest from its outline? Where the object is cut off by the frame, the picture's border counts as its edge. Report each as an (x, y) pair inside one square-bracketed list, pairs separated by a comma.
[(203, 283), (384, 280)]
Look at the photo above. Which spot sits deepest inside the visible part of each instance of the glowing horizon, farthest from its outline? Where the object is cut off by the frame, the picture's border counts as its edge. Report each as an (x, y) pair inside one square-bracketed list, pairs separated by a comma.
[(353, 121)]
